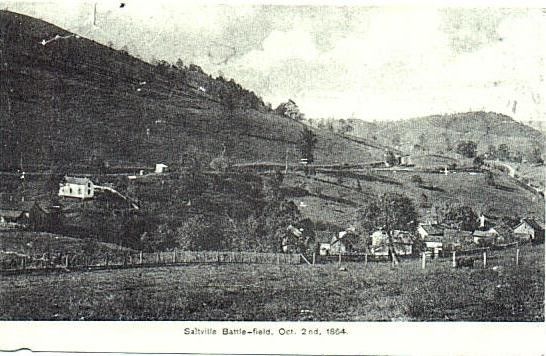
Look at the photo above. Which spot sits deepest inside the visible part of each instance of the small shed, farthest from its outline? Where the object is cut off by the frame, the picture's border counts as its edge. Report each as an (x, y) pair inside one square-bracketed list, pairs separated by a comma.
[(161, 168)]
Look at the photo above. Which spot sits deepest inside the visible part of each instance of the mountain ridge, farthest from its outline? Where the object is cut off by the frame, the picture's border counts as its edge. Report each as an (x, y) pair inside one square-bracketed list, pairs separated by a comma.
[(75, 101)]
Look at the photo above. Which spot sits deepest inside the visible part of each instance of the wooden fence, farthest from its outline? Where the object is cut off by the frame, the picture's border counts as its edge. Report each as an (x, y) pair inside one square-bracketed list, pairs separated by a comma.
[(20, 262)]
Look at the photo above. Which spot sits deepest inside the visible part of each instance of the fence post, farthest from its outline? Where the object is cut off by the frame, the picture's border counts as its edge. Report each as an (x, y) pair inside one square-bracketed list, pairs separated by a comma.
[(517, 257), (365, 259), (66, 261), (424, 260), (158, 257), (174, 256), (454, 261), (484, 259), (140, 258), (314, 258)]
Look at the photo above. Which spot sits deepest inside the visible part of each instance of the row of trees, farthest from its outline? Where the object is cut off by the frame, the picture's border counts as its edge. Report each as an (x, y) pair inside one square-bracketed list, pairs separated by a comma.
[(501, 152)]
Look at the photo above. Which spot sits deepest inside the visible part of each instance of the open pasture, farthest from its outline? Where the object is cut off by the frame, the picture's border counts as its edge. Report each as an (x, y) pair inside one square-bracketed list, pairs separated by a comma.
[(372, 292)]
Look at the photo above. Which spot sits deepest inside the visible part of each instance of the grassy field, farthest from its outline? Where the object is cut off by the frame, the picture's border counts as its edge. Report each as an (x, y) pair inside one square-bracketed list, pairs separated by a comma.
[(376, 292), (335, 197)]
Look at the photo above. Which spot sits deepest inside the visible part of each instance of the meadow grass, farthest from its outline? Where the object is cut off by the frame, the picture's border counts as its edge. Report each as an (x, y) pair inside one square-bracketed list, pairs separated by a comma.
[(373, 292)]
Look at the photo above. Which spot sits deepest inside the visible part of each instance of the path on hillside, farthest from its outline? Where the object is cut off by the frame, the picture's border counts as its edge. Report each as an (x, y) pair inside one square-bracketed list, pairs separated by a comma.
[(115, 192)]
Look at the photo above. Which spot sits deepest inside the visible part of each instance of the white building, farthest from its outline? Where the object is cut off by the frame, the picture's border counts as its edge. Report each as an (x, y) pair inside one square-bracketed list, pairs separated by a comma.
[(160, 168), (74, 187)]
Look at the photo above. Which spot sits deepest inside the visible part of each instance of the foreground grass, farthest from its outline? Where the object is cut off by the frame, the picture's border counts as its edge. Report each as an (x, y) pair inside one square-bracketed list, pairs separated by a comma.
[(259, 292)]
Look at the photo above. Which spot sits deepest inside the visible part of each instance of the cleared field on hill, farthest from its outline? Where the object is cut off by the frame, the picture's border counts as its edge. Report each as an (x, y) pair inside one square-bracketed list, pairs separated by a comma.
[(335, 196), (501, 292)]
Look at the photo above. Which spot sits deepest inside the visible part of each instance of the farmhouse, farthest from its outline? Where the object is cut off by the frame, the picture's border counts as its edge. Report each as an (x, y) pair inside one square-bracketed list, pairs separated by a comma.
[(74, 187), (530, 230), (426, 231), (402, 241)]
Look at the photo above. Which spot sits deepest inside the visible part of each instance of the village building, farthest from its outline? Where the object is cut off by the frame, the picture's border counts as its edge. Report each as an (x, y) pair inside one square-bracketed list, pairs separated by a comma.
[(406, 160), (402, 243), (427, 231), (75, 187), (15, 214), (160, 168), (323, 240), (485, 237), (13, 217), (529, 230)]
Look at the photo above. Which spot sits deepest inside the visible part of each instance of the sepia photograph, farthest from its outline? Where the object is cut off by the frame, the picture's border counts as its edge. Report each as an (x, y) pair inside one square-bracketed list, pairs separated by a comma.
[(344, 162)]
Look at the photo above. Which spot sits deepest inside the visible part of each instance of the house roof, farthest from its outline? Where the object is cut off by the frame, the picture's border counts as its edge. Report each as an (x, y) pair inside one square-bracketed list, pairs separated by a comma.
[(12, 214), (433, 229), (453, 235), (480, 233), (532, 223), (18, 205), (77, 180)]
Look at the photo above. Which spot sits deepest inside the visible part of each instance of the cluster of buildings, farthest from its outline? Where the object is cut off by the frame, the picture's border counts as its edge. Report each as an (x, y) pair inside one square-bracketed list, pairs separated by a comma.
[(433, 238)]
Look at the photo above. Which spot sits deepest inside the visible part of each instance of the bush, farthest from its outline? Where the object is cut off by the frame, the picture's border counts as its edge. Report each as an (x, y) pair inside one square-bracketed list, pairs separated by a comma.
[(416, 179)]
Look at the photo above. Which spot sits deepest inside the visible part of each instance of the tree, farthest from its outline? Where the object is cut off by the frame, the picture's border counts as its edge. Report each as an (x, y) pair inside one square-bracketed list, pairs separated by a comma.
[(396, 140), (467, 148), (478, 161), (491, 152), (503, 152), (490, 178), (390, 158), (308, 141), (291, 110), (416, 179), (536, 155), (392, 211), (462, 217), (200, 233)]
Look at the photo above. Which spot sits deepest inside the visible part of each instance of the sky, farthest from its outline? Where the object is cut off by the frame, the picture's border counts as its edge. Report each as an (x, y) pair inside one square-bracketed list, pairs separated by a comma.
[(372, 63)]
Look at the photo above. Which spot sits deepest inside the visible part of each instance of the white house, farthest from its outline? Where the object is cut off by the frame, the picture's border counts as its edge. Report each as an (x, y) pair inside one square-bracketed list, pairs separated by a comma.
[(160, 168), (74, 187)]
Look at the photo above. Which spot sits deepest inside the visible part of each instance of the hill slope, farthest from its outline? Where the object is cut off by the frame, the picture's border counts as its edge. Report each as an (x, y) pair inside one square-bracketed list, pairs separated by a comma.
[(67, 99), (441, 133)]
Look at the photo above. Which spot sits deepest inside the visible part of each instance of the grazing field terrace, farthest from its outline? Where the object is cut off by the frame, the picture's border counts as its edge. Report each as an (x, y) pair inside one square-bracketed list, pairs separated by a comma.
[(372, 292)]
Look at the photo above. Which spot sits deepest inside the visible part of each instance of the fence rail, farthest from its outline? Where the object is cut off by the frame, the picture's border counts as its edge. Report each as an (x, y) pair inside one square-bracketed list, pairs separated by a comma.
[(15, 262)]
